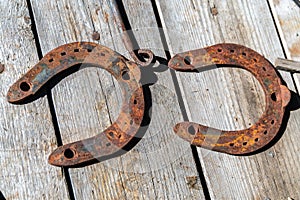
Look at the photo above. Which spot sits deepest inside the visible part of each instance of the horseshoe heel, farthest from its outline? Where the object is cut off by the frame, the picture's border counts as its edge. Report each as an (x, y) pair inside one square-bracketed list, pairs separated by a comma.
[(127, 73), (277, 97)]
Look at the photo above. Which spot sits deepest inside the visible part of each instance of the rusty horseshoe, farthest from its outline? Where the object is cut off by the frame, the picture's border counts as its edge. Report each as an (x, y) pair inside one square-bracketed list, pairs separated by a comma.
[(128, 75), (127, 41), (277, 97)]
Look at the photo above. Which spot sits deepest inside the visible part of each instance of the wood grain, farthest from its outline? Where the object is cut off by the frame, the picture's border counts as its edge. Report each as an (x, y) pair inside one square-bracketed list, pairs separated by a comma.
[(161, 165), (231, 99), (26, 132), (286, 14)]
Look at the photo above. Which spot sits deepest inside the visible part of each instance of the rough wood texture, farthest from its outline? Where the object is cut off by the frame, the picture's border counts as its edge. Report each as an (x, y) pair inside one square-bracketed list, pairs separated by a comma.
[(287, 18), (232, 99), (161, 165), (26, 132)]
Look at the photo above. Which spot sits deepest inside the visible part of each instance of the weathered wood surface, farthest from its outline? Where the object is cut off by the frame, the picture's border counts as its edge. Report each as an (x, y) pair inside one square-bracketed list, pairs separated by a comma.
[(26, 133), (287, 18), (161, 165), (231, 99)]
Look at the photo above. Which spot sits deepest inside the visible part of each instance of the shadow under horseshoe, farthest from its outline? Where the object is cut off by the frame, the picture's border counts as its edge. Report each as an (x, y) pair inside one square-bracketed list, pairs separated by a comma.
[(137, 137), (2, 196), (148, 78), (293, 105)]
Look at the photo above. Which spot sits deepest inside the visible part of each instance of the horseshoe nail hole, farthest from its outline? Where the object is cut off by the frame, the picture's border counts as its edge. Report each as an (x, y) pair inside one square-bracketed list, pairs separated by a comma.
[(24, 86), (76, 50), (63, 53), (231, 51), (266, 132), (119, 136), (131, 122), (51, 60), (125, 76), (107, 144), (256, 139), (135, 101), (244, 54), (231, 144), (187, 60), (244, 143), (68, 153), (272, 122), (264, 69), (111, 134), (219, 50), (191, 130), (89, 50), (254, 59), (273, 96)]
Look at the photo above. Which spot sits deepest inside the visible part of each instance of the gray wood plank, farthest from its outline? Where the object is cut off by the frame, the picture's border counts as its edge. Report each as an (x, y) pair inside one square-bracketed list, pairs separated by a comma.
[(286, 14), (231, 99), (161, 165), (26, 133)]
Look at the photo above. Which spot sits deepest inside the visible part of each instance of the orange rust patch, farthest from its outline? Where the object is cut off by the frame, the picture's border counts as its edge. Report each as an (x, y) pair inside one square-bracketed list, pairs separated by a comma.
[(120, 133), (294, 49), (276, 97)]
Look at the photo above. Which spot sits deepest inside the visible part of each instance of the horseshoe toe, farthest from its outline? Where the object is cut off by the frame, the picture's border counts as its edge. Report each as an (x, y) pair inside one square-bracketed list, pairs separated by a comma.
[(127, 73), (277, 97)]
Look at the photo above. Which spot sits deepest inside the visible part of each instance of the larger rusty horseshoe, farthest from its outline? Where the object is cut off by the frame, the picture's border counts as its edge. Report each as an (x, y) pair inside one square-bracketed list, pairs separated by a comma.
[(127, 73), (277, 97)]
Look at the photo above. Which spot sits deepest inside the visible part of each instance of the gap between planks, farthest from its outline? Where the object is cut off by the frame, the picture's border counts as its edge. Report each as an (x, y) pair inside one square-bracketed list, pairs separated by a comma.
[(65, 171)]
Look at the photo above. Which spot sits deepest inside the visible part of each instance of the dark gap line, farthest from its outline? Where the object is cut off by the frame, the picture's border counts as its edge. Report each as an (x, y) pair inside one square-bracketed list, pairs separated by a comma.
[(125, 20), (2, 196), (179, 95), (50, 101), (168, 55), (65, 170), (123, 14), (277, 29), (34, 30), (180, 100), (54, 118), (297, 2), (281, 42), (68, 182), (201, 173)]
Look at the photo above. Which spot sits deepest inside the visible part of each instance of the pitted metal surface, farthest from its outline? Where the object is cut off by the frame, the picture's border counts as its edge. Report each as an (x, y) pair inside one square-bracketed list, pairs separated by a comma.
[(128, 75), (277, 97)]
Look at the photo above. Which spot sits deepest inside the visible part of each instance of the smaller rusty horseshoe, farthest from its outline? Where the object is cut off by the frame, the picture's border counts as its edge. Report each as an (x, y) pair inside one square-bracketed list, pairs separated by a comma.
[(277, 97), (128, 75)]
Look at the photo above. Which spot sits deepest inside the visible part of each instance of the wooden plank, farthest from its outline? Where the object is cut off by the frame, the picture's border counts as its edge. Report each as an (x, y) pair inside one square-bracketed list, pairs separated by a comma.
[(26, 132), (287, 65), (231, 99), (286, 14), (161, 165)]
